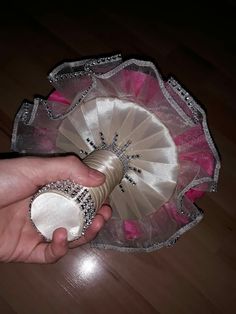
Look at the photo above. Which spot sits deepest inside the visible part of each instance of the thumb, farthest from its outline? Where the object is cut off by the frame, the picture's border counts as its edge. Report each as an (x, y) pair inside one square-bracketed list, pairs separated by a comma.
[(57, 248), (50, 252), (61, 168)]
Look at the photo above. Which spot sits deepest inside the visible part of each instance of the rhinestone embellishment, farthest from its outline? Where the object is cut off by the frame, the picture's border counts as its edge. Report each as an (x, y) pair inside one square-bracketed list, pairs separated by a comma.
[(185, 96), (120, 152), (77, 193)]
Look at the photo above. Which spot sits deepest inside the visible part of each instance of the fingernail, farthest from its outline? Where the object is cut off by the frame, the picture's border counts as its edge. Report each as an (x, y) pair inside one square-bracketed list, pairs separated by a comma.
[(64, 238), (64, 242), (95, 174)]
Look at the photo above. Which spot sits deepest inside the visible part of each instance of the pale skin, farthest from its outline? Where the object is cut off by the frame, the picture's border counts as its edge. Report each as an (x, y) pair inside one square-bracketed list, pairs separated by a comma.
[(20, 178)]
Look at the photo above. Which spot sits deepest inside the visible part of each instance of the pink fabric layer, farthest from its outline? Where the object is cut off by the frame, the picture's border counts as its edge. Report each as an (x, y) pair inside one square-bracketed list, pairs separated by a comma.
[(131, 229), (56, 96)]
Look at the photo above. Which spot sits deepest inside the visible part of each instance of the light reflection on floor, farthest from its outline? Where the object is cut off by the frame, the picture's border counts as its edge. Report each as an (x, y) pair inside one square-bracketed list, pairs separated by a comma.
[(87, 267)]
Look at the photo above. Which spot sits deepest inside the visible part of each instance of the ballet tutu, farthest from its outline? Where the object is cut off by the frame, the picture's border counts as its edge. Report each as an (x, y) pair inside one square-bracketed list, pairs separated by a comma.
[(172, 160)]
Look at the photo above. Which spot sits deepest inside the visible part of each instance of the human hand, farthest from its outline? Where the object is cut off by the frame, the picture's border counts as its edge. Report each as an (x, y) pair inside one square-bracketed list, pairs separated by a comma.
[(20, 179)]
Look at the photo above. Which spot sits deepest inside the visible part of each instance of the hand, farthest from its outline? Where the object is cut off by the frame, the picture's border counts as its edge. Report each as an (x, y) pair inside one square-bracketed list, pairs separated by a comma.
[(20, 179)]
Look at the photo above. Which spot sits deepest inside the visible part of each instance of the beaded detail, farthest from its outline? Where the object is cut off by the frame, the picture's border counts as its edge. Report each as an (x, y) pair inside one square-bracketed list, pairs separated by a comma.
[(75, 192)]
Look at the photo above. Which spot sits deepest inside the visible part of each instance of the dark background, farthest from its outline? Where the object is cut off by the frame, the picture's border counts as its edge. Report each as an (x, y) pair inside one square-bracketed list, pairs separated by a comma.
[(195, 42)]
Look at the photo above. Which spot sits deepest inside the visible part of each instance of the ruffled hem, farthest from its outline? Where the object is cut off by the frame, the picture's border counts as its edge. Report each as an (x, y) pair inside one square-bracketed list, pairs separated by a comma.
[(36, 128)]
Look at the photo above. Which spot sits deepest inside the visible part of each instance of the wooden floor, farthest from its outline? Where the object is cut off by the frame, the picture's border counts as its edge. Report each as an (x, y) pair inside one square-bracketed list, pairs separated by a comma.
[(197, 45)]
